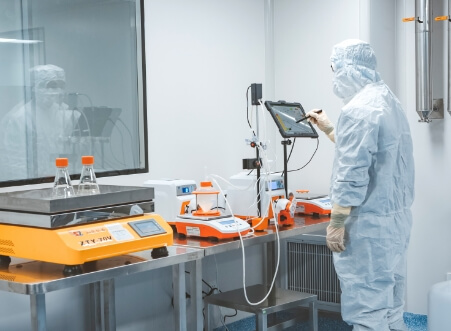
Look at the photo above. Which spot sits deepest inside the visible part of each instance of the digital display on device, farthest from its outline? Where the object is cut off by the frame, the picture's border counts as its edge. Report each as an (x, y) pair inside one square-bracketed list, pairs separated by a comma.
[(145, 228), (227, 222), (276, 185), (286, 115)]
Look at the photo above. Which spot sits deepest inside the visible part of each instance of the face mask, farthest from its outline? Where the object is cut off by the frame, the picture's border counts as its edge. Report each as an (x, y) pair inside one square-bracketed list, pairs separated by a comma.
[(343, 86), (49, 97)]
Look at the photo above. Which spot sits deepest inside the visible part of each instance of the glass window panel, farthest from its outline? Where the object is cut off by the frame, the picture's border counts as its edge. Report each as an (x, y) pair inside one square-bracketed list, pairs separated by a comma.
[(71, 84)]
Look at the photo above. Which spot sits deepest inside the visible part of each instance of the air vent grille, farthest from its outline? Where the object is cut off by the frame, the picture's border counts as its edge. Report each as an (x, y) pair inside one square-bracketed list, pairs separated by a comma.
[(9, 278), (311, 270)]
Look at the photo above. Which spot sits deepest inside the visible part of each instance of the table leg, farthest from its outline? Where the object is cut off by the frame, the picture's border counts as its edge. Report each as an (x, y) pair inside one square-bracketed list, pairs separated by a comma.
[(313, 312), (282, 275), (208, 326), (96, 306), (109, 302), (178, 278), (196, 320), (38, 318), (262, 322), (270, 261)]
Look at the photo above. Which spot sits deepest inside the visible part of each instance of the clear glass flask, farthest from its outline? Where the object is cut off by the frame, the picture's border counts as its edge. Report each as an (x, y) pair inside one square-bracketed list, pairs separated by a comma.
[(88, 182), (62, 186)]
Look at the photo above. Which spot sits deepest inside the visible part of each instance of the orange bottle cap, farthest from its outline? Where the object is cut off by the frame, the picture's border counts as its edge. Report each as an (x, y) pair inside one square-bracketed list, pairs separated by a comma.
[(62, 162), (87, 159), (206, 184)]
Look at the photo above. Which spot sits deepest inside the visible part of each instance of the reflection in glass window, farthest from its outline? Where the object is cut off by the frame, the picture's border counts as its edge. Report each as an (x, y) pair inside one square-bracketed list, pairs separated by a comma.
[(71, 84)]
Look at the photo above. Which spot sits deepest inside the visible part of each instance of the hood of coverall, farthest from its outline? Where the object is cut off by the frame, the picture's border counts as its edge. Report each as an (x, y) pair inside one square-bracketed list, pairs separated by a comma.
[(49, 85), (354, 65)]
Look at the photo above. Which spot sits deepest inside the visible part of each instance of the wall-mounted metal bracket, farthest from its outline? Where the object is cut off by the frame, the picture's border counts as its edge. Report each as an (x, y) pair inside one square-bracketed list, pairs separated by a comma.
[(437, 112)]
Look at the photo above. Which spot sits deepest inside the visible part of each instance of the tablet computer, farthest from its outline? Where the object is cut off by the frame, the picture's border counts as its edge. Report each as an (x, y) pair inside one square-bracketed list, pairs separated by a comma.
[(286, 115)]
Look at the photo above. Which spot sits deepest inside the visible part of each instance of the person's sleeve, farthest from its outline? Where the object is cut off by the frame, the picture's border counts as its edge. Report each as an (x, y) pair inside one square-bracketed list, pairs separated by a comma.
[(356, 144)]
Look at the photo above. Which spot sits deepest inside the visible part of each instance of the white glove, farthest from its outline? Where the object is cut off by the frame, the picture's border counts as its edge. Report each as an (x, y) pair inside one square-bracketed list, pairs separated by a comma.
[(335, 239), (323, 122), (336, 228)]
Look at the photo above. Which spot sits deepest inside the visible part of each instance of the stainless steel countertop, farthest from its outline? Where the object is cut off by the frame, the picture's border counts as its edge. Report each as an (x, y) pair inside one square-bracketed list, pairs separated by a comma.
[(41, 200), (303, 224), (36, 277)]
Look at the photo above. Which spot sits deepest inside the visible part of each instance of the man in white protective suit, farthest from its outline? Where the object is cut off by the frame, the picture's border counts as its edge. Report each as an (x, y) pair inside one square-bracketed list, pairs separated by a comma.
[(372, 190), (36, 132)]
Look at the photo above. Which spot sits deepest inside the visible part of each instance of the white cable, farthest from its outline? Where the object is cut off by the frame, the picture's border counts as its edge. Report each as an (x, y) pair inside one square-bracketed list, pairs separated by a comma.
[(266, 208), (235, 187), (253, 186), (243, 253), (262, 152), (264, 120)]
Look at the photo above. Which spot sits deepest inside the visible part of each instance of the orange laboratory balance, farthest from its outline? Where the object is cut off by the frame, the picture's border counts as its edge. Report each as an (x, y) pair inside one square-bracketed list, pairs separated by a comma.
[(208, 221), (73, 231), (312, 204)]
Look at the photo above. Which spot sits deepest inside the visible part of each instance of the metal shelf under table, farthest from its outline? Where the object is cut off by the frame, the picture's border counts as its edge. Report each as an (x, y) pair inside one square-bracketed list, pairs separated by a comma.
[(278, 300), (36, 278)]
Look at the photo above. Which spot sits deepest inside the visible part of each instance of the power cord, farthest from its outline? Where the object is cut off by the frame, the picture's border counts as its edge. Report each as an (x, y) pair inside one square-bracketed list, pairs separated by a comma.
[(316, 149), (205, 294), (243, 252)]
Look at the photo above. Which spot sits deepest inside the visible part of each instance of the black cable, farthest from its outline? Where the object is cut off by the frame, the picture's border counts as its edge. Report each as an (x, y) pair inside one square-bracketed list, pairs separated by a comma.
[(212, 289), (316, 149), (317, 145), (247, 110), (291, 151), (225, 316)]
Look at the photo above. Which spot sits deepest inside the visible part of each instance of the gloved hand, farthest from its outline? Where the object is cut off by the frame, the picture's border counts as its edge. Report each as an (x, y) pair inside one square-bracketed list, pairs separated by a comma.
[(336, 228), (323, 122), (335, 240)]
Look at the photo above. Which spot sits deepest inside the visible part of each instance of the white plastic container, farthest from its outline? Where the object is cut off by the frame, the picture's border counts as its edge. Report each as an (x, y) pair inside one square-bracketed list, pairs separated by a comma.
[(206, 197), (439, 307)]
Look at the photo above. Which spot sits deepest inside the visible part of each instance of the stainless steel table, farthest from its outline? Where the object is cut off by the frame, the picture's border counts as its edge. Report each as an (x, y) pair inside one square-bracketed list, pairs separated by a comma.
[(303, 224), (35, 278)]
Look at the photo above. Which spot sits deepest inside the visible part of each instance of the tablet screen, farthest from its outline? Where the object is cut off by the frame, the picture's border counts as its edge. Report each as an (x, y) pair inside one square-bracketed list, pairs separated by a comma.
[(286, 115)]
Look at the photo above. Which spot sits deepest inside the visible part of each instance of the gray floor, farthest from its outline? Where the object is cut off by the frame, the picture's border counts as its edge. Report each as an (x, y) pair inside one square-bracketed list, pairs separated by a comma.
[(328, 322)]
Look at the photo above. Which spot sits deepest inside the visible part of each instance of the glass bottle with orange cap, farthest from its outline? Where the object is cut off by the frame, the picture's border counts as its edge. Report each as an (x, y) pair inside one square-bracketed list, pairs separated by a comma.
[(88, 181), (62, 186)]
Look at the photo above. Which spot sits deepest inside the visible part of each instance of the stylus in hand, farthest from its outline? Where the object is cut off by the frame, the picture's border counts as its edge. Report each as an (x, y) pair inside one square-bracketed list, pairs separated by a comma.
[(305, 117)]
